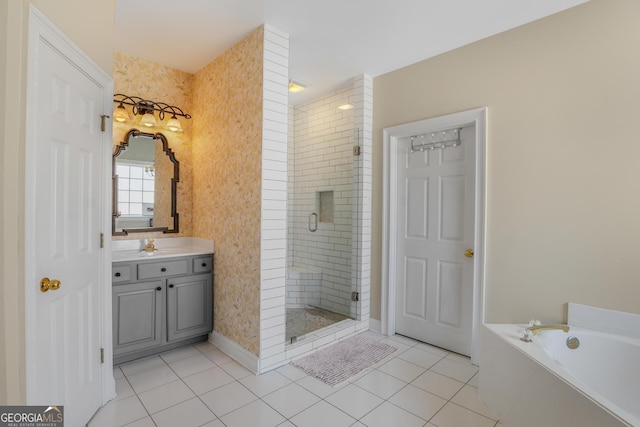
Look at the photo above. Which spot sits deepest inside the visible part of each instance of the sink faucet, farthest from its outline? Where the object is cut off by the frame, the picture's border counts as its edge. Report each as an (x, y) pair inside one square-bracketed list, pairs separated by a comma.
[(531, 331), (150, 247)]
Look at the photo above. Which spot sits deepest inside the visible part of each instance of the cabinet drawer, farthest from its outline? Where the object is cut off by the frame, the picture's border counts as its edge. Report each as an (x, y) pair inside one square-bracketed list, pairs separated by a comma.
[(163, 269), (120, 273), (202, 264)]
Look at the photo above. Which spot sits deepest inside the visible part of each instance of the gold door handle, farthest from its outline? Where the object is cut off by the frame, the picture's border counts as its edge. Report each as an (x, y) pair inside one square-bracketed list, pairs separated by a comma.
[(46, 284), (468, 253)]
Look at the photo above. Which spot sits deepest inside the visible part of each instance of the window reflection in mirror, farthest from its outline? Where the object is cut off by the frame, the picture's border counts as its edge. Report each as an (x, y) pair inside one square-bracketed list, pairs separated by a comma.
[(145, 176)]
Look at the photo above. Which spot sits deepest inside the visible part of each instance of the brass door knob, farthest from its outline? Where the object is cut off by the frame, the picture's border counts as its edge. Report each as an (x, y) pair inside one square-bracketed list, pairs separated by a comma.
[(468, 253), (46, 284)]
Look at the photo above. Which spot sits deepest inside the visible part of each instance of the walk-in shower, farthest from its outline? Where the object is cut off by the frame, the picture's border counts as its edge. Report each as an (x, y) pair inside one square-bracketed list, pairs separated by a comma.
[(323, 190)]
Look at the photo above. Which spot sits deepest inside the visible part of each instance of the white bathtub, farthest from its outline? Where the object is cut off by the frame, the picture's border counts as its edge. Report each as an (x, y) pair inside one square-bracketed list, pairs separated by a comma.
[(544, 383)]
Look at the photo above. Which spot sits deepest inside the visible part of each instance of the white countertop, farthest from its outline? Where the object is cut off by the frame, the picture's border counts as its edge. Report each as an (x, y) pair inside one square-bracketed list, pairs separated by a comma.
[(132, 250)]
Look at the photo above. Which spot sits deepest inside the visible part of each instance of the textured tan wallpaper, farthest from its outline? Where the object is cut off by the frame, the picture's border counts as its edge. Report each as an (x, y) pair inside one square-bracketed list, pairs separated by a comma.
[(227, 173), (136, 77)]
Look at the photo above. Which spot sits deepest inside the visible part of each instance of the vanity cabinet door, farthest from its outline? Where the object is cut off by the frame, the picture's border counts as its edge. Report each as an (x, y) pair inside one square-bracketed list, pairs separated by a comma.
[(137, 316), (189, 306)]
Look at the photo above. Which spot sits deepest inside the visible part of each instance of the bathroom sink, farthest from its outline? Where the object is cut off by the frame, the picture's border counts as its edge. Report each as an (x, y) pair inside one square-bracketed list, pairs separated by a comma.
[(164, 251)]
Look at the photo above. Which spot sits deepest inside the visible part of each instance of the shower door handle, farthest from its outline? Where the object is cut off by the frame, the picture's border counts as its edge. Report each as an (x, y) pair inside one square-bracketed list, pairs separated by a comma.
[(313, 222)]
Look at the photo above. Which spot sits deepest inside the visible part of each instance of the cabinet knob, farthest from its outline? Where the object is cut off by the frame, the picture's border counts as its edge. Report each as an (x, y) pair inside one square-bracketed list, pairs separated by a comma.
[(163, 269), (159, 288), (118, 274), (171, 286), (204, 264)]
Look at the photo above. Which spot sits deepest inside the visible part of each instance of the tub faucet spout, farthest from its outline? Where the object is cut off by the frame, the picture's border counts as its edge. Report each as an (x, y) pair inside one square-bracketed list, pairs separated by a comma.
[(529, 333)]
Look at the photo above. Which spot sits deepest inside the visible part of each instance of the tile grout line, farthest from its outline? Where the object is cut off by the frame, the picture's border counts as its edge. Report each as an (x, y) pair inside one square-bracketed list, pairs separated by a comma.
[(450, 400), (137, 397), (180, 378), (248, 389)]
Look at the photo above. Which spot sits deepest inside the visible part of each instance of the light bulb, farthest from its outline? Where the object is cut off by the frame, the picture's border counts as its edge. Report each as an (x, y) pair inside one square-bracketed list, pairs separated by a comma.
[(148, 120), (120, 114), (174, 124)]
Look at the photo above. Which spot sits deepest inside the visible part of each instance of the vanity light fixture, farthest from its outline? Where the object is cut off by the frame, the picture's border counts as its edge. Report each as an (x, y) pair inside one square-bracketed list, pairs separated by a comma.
[(147, 109), (295, 87), (120, 114), (174, 124), (148, 119)]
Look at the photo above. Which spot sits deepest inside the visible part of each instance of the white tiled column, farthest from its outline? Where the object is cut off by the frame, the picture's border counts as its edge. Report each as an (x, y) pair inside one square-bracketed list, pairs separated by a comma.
[(274, 198)]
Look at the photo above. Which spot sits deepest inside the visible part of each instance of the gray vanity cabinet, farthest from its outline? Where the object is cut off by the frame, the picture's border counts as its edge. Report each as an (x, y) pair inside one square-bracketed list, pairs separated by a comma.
[(161, 304)]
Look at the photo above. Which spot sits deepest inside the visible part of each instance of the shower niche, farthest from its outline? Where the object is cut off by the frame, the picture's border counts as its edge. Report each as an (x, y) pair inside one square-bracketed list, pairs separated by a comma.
[(325, 206)]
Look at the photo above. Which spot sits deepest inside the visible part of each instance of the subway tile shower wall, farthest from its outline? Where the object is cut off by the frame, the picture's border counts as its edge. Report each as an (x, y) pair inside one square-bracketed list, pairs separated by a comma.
[(321, 161)]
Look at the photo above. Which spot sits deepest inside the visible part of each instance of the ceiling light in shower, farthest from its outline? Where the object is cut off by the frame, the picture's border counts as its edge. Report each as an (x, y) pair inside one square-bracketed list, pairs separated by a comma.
[(295, 87), (345, 107)]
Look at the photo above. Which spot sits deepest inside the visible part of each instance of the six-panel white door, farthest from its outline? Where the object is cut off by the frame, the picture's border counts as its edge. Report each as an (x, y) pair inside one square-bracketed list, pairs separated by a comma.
[(68, 162), (435, 227)]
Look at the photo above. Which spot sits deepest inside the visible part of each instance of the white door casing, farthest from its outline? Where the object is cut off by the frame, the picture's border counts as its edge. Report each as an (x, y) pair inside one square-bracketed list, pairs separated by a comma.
[(430, 253), (67, 194), (434, 283)]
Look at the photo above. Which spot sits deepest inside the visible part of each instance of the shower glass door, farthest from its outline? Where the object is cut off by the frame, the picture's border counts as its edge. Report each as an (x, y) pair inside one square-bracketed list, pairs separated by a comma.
[(323, 188)]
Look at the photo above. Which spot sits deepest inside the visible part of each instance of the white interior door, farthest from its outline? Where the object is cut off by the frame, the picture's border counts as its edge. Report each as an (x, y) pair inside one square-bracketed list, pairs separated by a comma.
[(64, 167), (435, 228)]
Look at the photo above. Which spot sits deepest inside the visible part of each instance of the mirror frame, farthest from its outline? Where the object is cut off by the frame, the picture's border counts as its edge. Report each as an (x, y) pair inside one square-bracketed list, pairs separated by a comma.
[(174, 184)]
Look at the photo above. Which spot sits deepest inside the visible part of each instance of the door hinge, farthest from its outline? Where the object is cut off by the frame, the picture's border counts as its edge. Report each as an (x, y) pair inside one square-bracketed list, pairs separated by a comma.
[(102, 355), (103, 125), (356, 150), (101, 240)]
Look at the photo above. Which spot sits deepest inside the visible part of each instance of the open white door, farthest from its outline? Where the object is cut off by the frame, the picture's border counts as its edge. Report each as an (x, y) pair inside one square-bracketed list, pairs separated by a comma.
[(65, 213)]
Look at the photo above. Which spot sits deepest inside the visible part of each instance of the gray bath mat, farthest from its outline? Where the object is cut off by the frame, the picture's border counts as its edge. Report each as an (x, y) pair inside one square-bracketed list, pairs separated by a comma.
[(343, 360)]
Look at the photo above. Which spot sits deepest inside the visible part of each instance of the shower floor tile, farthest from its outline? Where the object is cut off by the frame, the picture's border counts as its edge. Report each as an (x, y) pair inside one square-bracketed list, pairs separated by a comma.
[(301, 321)]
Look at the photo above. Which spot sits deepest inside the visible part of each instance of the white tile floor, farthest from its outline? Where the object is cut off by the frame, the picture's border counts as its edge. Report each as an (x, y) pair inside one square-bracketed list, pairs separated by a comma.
[(198, 385)]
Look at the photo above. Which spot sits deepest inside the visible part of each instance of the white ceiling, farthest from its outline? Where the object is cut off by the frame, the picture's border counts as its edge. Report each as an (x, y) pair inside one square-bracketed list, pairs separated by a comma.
[(331, 40)]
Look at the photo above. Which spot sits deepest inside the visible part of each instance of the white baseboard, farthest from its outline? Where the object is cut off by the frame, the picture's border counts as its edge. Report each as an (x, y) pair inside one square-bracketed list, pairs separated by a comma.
[(375, 325), (235, 351)]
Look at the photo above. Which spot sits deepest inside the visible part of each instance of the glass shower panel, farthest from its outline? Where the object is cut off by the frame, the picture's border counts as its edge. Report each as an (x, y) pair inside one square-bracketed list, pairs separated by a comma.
[(322, 188)]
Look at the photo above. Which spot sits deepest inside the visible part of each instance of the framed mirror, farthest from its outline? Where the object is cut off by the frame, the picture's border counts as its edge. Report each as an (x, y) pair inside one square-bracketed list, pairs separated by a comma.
[(145, 178)]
